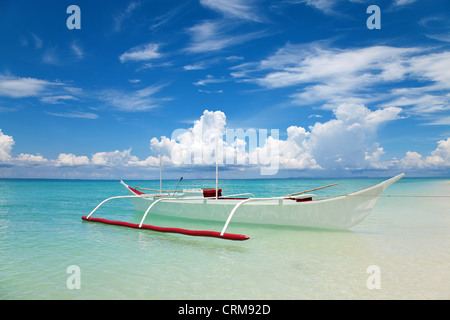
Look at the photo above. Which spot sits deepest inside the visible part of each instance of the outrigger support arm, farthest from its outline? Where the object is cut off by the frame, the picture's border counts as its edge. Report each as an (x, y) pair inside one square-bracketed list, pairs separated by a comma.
[(232, 213), (121, 197), (253, 199), (199, 233), (148, 210), (112, 198)]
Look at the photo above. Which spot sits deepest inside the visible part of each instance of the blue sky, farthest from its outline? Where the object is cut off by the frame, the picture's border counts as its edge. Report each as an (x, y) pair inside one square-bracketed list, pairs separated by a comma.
[(104, 101)]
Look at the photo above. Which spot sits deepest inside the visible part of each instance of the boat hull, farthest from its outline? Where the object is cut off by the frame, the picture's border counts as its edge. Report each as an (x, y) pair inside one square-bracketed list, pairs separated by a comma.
[(341, 212)]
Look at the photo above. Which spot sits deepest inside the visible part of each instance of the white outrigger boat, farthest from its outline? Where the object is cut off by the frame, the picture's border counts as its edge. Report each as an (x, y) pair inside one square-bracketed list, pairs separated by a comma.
[(301, 209)]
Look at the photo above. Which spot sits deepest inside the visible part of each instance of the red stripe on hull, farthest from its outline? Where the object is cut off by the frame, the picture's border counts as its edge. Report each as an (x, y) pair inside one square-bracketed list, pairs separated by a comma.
[(197, 233), (137, 192)]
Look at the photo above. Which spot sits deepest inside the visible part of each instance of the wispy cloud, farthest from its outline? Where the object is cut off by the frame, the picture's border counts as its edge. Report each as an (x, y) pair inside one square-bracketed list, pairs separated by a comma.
[(17, 87), (440, 37), (141, 53), (167, 17), (403, 2), (419, 101), (77, 50), (54, 93), (196, 66), (321, 74), (134, 101), (234, 58), (37, 41), (241, 9), (63, 55), (57, 99), (210, 62), (74, 114), (209, 80), (336, 7), (326, 6), (151, 65), (7, 109), (441, 121), (227, 30), (215, 35), (210, 91), (120, 18)]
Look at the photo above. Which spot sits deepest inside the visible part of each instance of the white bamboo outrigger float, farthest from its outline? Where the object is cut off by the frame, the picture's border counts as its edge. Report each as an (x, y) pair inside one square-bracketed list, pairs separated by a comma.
[(298, 209)]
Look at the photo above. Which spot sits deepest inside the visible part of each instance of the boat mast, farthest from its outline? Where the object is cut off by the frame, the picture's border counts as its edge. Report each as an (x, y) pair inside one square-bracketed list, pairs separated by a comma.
[(217, 172), (160, 174)]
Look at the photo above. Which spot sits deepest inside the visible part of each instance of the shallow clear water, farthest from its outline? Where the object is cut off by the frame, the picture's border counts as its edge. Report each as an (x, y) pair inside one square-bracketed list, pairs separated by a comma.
[(42, 234)]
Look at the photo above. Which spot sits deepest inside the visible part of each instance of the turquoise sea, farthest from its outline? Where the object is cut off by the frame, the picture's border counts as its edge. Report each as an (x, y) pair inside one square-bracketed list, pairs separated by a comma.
[(43, 239)]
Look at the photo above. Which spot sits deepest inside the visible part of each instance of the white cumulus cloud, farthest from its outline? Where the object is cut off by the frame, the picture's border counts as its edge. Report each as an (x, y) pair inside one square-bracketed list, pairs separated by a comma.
[(439, 157), (347, 141), (6, 144), (69, 159)]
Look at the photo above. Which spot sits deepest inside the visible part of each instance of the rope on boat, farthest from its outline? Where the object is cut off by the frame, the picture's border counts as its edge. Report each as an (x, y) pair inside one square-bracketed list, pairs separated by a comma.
[(158, 190), (293, 194)]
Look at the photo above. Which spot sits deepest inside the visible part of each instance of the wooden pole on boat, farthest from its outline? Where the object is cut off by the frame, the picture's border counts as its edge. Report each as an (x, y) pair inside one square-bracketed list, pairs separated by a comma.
[(294, 194)]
